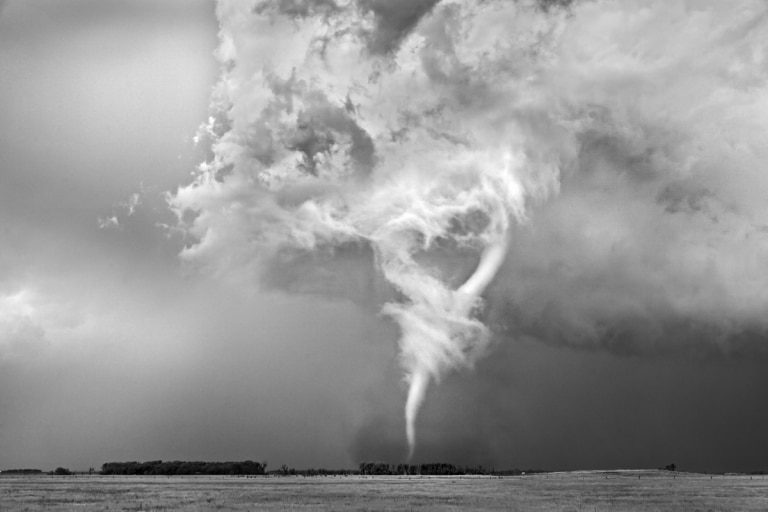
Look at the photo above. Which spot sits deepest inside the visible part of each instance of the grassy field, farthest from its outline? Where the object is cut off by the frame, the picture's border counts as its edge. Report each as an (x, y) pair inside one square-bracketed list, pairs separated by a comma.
[(572, 491)]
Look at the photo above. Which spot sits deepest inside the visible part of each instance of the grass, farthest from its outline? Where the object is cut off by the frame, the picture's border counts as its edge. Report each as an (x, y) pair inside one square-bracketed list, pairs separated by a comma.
[(571, 491)]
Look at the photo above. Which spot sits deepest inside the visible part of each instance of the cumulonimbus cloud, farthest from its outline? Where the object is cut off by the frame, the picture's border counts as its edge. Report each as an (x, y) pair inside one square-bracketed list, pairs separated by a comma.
[(600, 162)]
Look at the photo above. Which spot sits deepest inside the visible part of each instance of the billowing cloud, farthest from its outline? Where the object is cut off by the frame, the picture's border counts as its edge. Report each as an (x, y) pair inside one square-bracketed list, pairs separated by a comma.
[(593, 169)]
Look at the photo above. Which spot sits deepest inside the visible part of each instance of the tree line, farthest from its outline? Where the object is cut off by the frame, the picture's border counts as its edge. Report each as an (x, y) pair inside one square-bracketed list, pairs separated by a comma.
[(435, 468), (286, 471), (248, 467), (177, 467)]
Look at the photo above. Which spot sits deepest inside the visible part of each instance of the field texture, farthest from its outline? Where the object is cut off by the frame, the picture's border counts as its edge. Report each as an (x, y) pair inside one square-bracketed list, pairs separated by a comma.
[(573, 491)]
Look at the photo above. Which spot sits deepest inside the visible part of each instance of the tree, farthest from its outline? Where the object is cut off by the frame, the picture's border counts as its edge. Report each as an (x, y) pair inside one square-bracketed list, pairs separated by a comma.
[(62, 471), (176, 467)]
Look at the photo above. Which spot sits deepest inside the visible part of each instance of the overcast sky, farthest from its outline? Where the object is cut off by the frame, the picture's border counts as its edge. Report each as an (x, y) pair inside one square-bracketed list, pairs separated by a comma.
[(626, 327)]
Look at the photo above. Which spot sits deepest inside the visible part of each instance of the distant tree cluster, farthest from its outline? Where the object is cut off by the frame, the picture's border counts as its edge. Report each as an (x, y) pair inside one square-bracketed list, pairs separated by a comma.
[(376, 468), (177, 467), (438, 468), (62, 471), (286, 471), (21, 471), (248, 467)]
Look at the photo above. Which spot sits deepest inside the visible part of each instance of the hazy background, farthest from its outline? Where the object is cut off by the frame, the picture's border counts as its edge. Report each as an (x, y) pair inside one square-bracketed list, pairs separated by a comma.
[(110, 349)]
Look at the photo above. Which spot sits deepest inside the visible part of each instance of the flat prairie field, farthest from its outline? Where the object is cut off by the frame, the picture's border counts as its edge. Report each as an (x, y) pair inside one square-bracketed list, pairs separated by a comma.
[(572, 491)]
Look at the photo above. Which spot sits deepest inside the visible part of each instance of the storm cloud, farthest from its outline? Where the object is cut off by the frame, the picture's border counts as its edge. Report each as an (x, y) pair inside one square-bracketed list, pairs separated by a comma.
[(275, 291), (612, 152)]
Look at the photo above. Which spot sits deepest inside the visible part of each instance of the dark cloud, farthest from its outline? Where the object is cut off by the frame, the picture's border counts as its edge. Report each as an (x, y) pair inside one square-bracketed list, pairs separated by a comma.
[(546, 5), (536, 406), (393, 21), (345, 273), (296, 8), (316, 131), (650, 334), (684, 197)]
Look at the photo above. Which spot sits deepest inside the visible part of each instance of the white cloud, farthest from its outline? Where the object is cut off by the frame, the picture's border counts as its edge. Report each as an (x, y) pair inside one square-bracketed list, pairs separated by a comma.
[(21, 335)]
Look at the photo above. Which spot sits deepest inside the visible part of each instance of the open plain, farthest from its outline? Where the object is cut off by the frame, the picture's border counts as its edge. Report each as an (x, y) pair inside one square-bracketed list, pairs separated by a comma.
[(573, 491)]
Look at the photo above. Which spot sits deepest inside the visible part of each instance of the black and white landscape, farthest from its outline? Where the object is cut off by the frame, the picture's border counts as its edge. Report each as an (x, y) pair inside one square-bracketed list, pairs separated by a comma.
[(312, 233)]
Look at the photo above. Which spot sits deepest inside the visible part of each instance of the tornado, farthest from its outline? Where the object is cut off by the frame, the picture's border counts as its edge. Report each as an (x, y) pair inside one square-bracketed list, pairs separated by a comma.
[(466, 296), (416, 393)]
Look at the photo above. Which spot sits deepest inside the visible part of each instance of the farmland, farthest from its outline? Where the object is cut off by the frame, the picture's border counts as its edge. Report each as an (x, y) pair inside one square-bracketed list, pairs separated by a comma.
[(572, 491)]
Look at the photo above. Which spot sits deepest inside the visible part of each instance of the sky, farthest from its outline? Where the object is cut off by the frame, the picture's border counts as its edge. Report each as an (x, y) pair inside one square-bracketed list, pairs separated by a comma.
[(317, 232)]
